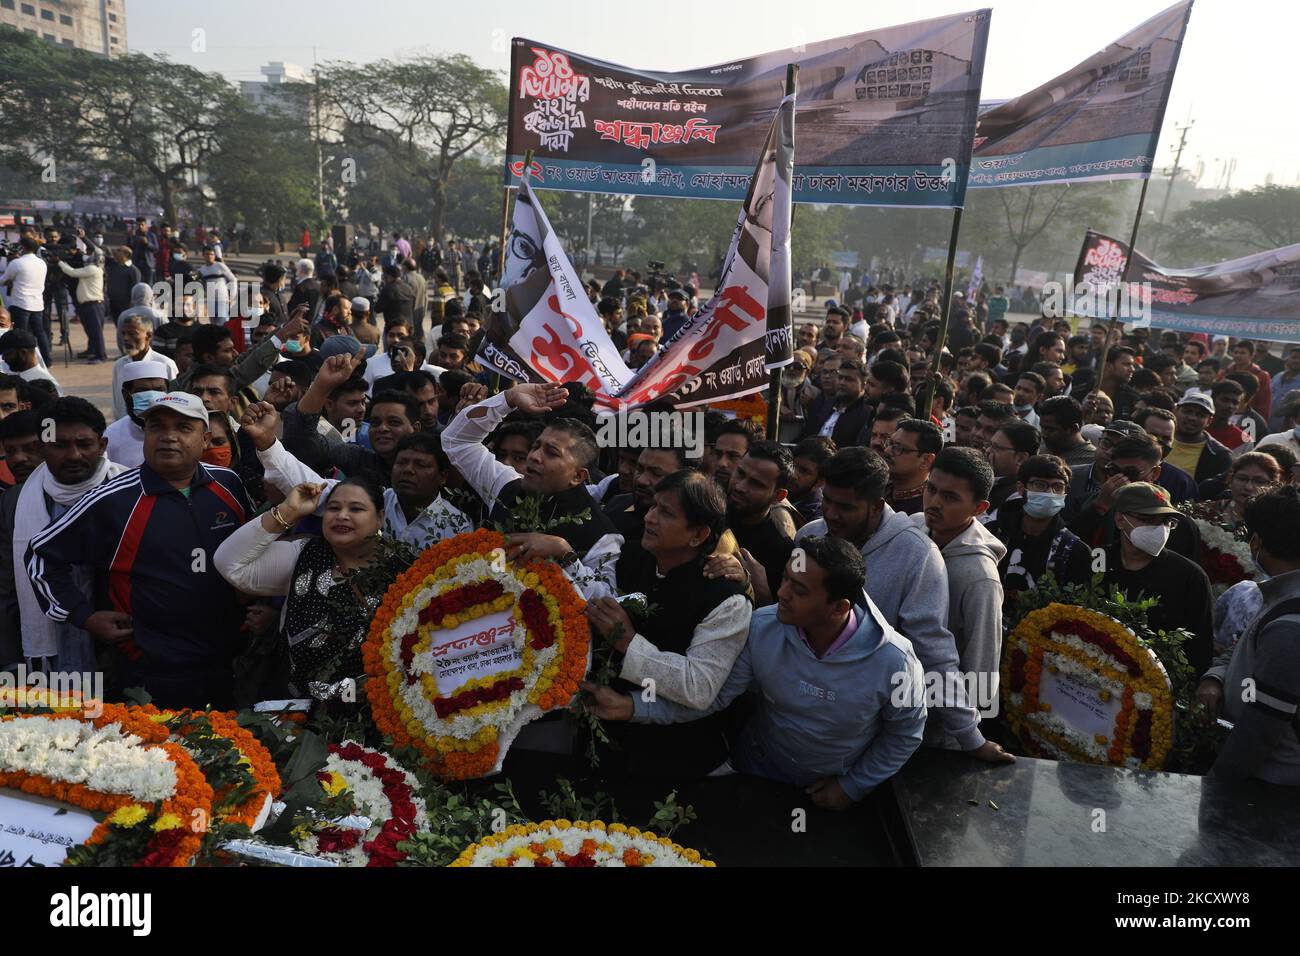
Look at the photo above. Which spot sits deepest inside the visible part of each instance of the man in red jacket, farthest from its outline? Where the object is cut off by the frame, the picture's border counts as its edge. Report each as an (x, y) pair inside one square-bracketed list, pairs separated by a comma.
[(1243, 360)]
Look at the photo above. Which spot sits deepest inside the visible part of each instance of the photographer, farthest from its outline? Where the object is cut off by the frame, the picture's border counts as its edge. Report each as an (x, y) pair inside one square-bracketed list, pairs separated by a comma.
[(25, 279), (90, 303)]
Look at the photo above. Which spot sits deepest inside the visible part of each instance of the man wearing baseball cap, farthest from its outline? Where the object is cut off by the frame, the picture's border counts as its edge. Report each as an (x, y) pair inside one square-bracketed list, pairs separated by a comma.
[(1139, 564), (148, 536), (675, 315), (1194, 450)]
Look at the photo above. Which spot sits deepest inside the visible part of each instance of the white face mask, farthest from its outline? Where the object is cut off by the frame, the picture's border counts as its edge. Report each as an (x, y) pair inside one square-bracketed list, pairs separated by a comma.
[(1149, 538)]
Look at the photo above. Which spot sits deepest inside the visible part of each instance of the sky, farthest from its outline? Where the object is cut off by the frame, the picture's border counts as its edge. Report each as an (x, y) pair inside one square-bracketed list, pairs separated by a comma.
[(1247, 42)]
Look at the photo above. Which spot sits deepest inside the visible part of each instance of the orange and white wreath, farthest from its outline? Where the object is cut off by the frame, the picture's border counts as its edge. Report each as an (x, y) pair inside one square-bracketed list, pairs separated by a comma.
[(119, 763), (1079, 686), (466, 648)]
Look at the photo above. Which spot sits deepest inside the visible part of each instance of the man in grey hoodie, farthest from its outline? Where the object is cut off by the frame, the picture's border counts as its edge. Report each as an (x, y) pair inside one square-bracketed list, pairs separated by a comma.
[(905, 579), (841, 705), (956, 493)]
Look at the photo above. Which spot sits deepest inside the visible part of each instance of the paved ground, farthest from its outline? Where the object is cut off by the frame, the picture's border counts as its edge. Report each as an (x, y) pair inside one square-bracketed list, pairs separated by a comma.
[(91, 382)]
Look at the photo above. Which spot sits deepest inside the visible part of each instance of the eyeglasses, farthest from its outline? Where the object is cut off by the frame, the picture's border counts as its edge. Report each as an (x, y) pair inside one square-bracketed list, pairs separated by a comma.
[(1000, 448), (1253, 482), (896, 448), (1051, 487)]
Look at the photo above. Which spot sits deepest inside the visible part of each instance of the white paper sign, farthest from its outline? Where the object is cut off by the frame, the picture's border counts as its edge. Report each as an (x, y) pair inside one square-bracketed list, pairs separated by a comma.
[(483, 647), (1079, 703), (33, 831)]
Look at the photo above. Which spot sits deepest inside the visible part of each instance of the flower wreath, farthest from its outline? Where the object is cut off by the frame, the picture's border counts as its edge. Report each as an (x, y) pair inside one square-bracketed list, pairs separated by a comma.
[(240, 768), (1225, 550), (382, 790), (1105, 657), (464, 731), (577, 844), (151, 790)]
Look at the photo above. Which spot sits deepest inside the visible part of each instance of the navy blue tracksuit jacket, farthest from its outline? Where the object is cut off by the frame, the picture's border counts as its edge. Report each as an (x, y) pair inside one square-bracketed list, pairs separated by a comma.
[(151, 548)]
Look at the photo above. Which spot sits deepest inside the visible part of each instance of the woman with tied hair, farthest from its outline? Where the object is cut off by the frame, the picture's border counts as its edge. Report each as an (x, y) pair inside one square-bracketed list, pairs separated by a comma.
[(326, 616), (685, 646)]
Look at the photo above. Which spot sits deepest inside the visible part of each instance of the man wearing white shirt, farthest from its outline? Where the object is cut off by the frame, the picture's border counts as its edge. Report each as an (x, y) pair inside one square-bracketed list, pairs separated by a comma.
[(142, 384), (25, 277), (380, 365), (137, 341)]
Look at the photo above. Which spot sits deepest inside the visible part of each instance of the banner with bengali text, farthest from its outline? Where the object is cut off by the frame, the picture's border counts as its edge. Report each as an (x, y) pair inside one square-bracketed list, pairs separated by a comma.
[(1254, 297), (1098, 120), (886, 118)]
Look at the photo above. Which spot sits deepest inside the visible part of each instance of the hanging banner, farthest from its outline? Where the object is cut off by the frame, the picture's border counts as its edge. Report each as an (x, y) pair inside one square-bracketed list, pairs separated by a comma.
[(548, 330), (1099, 120), (886, 118), (1255, 297), (720, 351)]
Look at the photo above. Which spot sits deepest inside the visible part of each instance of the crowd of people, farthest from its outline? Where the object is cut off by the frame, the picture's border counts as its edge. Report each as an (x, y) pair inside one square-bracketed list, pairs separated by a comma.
[(225, 538)]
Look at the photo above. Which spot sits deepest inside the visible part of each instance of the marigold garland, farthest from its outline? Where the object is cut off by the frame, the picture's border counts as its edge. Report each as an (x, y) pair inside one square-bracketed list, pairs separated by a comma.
[(577, 844), (256, 758), (457, 580), (1102, 652)]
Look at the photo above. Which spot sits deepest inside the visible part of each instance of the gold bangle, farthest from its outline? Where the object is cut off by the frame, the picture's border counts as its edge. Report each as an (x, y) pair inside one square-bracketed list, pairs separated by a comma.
[(275, 513)]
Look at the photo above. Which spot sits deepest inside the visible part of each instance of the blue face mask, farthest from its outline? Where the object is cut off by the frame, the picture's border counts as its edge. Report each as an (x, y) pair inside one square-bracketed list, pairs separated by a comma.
[(1043, 504), (293, 345), (142, 400)]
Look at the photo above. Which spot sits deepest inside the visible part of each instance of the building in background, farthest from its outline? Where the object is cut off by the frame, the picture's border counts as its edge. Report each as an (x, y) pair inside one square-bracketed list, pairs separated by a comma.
[(95, 25), (278, 91)]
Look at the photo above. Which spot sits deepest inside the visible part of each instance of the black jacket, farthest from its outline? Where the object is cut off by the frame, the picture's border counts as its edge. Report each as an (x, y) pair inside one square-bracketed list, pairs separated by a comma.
[(396, 301), (1214, 460), (847, 428), (308, 291), (681, 599)]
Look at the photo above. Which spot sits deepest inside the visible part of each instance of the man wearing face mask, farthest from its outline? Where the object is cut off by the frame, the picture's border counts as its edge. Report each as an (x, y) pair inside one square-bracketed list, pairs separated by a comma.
[(142, 383), (136, 335), (1031, 527), (1140, 564), (1132, 459)]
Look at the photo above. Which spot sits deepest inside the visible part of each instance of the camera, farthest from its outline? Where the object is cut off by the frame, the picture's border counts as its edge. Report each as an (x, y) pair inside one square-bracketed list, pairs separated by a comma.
[(656, 266)]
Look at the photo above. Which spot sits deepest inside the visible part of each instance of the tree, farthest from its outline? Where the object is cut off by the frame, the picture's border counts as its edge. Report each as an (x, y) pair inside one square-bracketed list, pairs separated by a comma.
[(124, 115), (427, 114), (261, 173), (1255, 220)]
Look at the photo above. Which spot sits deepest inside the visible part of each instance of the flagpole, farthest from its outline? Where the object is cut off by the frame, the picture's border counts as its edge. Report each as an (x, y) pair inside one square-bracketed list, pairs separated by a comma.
[(1128, 265), (936, 362), (505, 236), (774, 383)]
